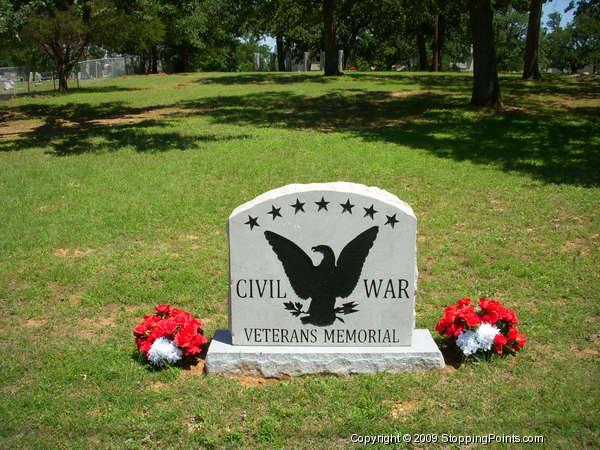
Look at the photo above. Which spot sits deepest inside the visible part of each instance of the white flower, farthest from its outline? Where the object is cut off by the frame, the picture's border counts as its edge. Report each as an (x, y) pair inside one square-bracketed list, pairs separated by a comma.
[(162, 350), (485, 335), (467, 342)]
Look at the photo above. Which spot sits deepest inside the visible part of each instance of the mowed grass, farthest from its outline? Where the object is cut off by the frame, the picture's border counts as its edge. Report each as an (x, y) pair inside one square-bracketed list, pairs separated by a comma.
[(115, 198)]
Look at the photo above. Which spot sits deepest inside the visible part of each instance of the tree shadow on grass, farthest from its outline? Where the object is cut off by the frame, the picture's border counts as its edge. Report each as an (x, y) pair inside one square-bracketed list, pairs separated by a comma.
[(50, 91), (102, 89), (77, 128), (554, 147), (330, 112), (425, 80), (572, 88), (265, 78)]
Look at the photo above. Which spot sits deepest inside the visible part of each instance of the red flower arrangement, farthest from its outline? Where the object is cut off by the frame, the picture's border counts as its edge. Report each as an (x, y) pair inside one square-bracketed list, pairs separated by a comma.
[(480, 327), (169, 335)]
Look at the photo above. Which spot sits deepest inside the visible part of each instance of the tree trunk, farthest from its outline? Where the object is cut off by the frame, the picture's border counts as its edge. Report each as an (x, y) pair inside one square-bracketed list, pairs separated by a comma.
[(441, 37), (154, 60), (486, 88), (280, 53), (62, 72), (573, 67), (331, 53), (421, 50), (184, 56), (530, 66), (435, 60), (63, 76)]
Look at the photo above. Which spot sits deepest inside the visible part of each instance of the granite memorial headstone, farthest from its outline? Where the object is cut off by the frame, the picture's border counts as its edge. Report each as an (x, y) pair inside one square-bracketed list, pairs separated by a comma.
[(330, 269)]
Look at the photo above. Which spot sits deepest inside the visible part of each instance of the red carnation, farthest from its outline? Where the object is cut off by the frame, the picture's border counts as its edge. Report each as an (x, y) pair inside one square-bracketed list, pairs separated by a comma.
[(141, 328), (509, 316), (168, 326), (144, 344), (162, 309), (468, 314), (176, 311), (499, 341), (189, 340), (517, 340), (464, 301)]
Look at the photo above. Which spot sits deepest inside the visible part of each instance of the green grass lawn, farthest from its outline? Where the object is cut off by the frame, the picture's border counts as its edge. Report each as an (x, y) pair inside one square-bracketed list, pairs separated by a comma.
[(115, 198)]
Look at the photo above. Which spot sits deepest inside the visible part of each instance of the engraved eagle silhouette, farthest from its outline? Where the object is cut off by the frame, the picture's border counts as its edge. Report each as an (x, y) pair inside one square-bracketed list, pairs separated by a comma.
[(328, 280)]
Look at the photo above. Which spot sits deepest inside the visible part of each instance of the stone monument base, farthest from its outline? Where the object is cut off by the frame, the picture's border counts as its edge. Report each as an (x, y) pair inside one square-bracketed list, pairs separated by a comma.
[(277, 361)]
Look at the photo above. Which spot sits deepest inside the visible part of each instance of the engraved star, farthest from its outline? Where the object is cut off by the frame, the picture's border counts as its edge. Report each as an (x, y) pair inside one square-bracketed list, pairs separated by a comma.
[(370, 211), (391, 220), (298, 206), (322, 204), (347, 206), (275, 212), (252, 221)]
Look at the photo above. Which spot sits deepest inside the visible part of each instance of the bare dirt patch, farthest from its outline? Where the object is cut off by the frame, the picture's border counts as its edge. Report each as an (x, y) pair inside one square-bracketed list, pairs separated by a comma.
[(498, 205), (580, 246), (588, 353), (66, 123), (253, 381), (402, 409), (35, 323), (195, 369), (449, 369), (61, 292), (93, 329), (400, 94), (18, 127), (192, 424), (157, 113), (99, 327), (72, 252), (156, 386), (48, 207), (182, 85), (11, 388)]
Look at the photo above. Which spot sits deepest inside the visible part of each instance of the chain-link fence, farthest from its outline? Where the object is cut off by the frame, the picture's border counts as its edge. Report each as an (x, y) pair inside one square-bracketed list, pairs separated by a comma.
[(94, 69), (13, 79), (23, 80)]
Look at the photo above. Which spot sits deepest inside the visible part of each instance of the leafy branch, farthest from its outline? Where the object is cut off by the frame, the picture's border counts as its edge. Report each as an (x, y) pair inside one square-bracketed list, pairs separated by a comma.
[(295, 308), (346, 308)]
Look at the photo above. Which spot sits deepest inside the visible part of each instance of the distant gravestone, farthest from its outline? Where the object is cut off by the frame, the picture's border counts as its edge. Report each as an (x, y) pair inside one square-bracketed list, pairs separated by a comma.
[(306, 61), (322, 276), (256, 62)]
